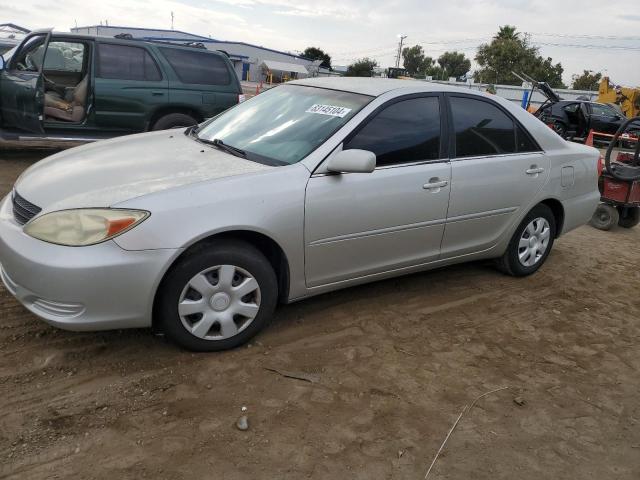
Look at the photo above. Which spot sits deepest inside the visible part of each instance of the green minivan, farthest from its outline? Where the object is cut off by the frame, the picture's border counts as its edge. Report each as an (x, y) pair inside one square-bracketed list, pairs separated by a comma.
[(82, 86)]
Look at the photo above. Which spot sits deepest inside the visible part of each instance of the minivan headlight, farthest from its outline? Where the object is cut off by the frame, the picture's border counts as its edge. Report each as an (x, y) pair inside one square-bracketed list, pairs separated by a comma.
[(85, 226)]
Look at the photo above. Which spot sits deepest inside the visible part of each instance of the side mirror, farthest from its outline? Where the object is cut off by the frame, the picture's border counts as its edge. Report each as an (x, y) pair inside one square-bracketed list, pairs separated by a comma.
[(352, 161)]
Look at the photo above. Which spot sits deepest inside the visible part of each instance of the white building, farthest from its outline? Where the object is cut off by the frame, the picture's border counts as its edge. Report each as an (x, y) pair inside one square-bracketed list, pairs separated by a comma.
[(251, 62)]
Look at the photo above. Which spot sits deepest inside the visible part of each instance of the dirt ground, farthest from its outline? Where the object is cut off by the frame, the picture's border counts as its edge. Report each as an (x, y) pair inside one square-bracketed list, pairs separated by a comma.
[(393, 364)]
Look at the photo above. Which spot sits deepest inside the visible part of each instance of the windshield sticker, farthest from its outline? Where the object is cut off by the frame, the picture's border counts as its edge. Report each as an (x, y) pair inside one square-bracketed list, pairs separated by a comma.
[(330, 110)]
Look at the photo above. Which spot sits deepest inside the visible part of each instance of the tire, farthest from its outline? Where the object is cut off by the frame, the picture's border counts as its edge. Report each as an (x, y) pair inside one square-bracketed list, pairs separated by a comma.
[(605, 217), (174, 120), (538, 228), (208, 318), (629, 216)]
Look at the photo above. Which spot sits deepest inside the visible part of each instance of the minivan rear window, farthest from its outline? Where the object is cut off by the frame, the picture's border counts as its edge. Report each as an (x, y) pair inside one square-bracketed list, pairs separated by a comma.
[(200, 68)]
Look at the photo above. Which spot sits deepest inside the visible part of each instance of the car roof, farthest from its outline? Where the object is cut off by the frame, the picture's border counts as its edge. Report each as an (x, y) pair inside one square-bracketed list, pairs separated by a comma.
[(377, 86)]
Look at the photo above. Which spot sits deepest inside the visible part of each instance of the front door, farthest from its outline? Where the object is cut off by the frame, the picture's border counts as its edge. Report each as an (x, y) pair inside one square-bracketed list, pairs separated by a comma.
[(360, 224), (21, 85), (497, 171)]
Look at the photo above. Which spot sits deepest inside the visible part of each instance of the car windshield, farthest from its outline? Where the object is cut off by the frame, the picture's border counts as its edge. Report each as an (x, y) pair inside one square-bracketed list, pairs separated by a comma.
[(283, 125)]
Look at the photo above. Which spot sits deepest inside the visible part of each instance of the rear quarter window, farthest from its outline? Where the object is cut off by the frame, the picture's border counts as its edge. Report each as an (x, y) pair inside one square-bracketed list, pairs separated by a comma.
[(200, 68)]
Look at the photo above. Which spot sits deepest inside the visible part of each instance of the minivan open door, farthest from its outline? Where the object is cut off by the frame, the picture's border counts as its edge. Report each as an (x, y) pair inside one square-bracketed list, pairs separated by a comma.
[(21, 84)]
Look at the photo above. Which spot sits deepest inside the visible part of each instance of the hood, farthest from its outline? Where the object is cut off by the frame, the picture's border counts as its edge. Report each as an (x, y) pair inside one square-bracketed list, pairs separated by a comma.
[(112, 171)]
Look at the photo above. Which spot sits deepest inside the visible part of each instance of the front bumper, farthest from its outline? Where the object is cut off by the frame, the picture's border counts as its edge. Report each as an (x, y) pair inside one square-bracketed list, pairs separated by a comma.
[(99, 287)]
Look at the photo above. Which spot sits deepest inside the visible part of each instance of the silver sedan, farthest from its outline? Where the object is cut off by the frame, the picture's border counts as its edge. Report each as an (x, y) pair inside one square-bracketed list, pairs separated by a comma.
[(312, 186)]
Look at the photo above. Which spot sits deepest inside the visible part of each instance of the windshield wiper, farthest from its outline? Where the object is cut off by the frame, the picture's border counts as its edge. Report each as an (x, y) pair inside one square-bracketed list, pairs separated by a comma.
[(216, 142)]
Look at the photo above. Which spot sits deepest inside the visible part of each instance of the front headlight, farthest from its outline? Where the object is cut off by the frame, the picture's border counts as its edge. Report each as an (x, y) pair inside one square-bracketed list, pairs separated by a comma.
[(86, 226)]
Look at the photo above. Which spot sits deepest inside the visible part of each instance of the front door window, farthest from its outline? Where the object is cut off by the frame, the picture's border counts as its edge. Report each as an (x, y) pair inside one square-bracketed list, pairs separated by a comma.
[(29, 58)]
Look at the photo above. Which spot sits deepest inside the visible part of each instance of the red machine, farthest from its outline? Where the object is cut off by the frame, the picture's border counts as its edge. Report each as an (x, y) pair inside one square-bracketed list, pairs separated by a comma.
[(619, 180)]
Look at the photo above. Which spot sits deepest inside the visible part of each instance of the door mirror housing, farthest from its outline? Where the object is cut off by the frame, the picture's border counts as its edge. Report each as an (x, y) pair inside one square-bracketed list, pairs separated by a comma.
[(352, 161)]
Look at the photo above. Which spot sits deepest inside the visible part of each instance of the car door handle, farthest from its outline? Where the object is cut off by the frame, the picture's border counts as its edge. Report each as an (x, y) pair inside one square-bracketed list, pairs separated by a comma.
[(534, 170), (435, 184), (157, 94)]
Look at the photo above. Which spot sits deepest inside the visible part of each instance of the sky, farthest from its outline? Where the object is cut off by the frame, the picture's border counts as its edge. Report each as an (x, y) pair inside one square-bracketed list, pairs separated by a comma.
[(581, 34)]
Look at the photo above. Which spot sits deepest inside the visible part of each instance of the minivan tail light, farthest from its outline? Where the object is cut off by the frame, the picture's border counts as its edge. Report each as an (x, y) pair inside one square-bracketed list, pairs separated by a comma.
[(241, 98)]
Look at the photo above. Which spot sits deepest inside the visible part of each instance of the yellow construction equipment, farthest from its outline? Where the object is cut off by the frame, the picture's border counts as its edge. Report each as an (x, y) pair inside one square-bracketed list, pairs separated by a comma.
[(626, 98)]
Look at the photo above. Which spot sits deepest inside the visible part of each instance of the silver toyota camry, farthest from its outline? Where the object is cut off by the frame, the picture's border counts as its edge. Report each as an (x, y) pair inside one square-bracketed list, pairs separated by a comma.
[(312, 186)]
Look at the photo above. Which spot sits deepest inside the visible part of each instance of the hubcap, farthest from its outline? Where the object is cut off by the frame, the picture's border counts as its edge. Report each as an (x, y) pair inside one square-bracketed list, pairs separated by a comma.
[(534, 242), (219, 302)]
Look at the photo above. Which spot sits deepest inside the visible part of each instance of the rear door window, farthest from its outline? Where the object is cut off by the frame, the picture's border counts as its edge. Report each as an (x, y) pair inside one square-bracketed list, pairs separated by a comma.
[(405, 131), (124, 62), (481, 128), (197, 67)]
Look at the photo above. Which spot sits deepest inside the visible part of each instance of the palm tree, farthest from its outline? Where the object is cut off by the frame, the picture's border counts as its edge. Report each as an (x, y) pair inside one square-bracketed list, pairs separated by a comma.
[(507, 32)]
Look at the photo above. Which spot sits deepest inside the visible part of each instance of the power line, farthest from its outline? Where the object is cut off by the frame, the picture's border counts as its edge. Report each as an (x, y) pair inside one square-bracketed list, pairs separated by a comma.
[(600, 37), (589, 46)]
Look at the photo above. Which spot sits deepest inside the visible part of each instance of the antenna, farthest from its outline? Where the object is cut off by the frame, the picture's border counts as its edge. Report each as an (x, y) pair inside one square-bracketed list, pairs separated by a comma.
[(172, 20)]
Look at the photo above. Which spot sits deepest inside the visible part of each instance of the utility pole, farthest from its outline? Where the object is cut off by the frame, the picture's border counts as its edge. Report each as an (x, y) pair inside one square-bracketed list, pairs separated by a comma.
[(402, 37)]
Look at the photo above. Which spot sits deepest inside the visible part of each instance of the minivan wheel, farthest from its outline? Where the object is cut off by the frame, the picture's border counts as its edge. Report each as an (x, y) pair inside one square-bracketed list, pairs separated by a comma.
[(174, 120), (217, 297), (531, 243)]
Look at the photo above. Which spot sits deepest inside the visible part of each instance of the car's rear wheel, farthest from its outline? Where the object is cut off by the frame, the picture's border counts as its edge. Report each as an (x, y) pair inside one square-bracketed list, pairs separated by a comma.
[(530, 244), (629, 216), (217, 297), (605, 217), (174, 120)]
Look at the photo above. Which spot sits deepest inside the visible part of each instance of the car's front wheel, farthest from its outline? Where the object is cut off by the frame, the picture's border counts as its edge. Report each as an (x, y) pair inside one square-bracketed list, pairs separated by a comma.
[(531, 243), (217, 297)]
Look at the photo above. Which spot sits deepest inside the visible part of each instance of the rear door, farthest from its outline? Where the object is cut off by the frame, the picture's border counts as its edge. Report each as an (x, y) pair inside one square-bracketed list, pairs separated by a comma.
[(21, 85), (359, 224), (497, 171), (202, 80), (129, 86)]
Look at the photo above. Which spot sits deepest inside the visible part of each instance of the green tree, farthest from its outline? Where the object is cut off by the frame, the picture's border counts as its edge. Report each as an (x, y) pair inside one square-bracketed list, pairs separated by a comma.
[(508, 53), (361, 68), (507, 32), (413, 59), (416, 63), (589, 80), (315, 53), (454, 64)]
